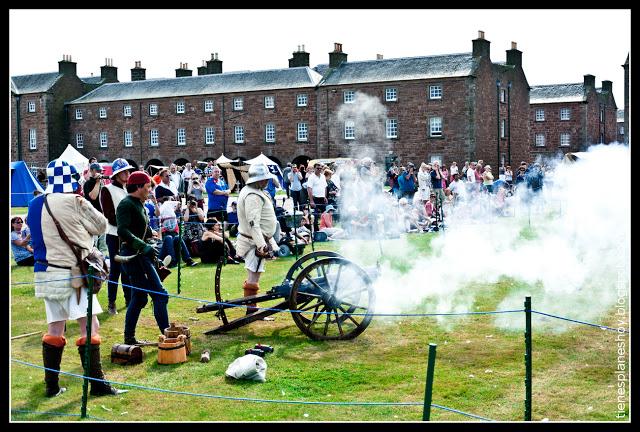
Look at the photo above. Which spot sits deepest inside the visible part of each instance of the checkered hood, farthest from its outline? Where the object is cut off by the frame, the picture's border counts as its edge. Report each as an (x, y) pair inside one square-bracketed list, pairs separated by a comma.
[(61, 177)]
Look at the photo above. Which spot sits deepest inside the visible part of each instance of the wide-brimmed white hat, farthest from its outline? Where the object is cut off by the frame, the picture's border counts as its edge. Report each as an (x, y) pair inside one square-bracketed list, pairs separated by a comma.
[(259, 172)]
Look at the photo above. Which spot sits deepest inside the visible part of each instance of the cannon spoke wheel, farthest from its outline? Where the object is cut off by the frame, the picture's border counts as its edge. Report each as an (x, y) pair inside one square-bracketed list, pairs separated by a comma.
[(332, 299)]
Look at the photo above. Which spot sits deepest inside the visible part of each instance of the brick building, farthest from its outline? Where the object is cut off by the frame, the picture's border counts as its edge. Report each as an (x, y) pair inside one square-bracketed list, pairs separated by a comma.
[(570, 117), (622, 138), (38, 121)]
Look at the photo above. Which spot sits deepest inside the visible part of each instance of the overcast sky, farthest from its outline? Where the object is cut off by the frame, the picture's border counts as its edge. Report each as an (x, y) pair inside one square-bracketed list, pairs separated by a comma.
[(559, 46)]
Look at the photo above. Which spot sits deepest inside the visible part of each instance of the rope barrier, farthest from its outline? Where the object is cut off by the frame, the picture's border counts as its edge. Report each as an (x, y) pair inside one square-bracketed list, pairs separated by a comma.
[(460, 412), (580, 322), (49, 280), (55, 414)]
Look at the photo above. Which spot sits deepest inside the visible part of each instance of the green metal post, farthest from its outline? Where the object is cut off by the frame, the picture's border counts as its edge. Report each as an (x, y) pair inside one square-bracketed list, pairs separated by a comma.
[(224, 250), (179, 251), (87, 355), (428, 390), (527, 359)]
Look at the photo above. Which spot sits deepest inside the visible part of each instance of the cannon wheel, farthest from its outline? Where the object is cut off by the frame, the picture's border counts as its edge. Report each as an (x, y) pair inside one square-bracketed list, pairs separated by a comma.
[(345, 289)]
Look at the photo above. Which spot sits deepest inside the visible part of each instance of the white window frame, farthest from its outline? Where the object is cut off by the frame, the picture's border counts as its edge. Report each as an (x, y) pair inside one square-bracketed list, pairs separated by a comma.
[(349, 96), (391, 128), (601, 115), (349, 130), (302, 132), (565, 139), (180, 107), (126, 110), (270, 133), (79, 140), (154, 138), (302, 100), (391, 94), (104, 139), (181, 137), (102, 112), (621, 130), (539, 114), (540, 140), (78, 113), (269, 102), (565, 114), (503, 128), (435, 91), (238, 103), (153, 109), (128, 138), (238, 134), (435, 126), (209, 135), (208, 105), (31, 106), (503, 95), (33, 139)]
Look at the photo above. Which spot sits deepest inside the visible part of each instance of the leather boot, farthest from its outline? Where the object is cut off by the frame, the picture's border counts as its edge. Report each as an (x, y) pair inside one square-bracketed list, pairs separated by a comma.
[(249, 290), (98, 388), (52, 348)]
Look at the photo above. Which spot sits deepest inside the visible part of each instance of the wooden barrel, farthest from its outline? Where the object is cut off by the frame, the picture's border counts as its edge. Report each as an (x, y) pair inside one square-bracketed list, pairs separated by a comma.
[(172, 350), (126, 354), (173, 331)]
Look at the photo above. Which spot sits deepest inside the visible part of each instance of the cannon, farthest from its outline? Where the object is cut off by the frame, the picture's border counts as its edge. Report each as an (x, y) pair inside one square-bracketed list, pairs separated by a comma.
[(328, 296)]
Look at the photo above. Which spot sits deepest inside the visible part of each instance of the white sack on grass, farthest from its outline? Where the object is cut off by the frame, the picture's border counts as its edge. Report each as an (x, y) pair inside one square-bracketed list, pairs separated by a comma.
[(250, 366)]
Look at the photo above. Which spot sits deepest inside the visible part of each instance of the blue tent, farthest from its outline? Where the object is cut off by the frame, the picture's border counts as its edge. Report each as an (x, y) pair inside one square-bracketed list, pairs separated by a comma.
[(22, 184)]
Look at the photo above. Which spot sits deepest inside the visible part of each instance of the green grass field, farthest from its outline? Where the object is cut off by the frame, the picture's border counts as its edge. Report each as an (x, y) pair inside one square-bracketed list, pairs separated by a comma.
[(479, 367)]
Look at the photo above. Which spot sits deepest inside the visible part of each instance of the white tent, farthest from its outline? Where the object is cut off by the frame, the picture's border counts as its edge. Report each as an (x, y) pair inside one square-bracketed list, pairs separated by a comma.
[(75, 158), (223, 159), (274, 168)]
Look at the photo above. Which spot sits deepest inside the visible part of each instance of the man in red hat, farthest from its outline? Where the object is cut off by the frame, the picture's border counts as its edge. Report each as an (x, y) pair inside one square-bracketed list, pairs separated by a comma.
[(134, 231)]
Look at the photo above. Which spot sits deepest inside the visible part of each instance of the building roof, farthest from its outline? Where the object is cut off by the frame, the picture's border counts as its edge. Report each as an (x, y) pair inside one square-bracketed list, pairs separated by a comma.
[(401, 69), (229, 82), (35, 83), (92, 80), (556, 93)]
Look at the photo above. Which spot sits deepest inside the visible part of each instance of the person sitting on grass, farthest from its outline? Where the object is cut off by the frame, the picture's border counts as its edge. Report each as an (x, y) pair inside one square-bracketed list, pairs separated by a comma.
[(213, 245), (326, 224), (21, 243)]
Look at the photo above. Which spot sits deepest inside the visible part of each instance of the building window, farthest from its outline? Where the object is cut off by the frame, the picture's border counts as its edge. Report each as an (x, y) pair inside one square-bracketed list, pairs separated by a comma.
[(391, 94), (621, 130), (270, 133), (602, 138), (601, 116), (539, 114), (153, 109), (503, 95), (503, 128), (565, 114), (392, 128), (31, 106), (301, 100), (349, 96), (127, 110), (565, 139), (179, 107), (539, 140), (209, 135), (182, 136), (102, 112), (238, 104), (303, 132), (104, 140), (435, 91), (208, 106), (78, 114), (128, 138), (79, 140), (239, 134), (349, 130), (435, 126), (269, 102), (154, 140), (33, 144)]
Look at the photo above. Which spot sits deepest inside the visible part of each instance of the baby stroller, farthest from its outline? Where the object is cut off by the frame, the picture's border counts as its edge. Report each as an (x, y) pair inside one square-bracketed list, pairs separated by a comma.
[(288, 244)]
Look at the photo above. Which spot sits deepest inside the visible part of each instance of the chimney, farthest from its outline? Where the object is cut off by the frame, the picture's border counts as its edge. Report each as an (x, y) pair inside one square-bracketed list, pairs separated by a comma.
[(379, 57), (337, 56), (214, 66), (138, 73), (300, 58), (66, 66), (109, 72), (514, 57), (607, 86), (202, 70), (481, 46), (590, 81), (183, 71)]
